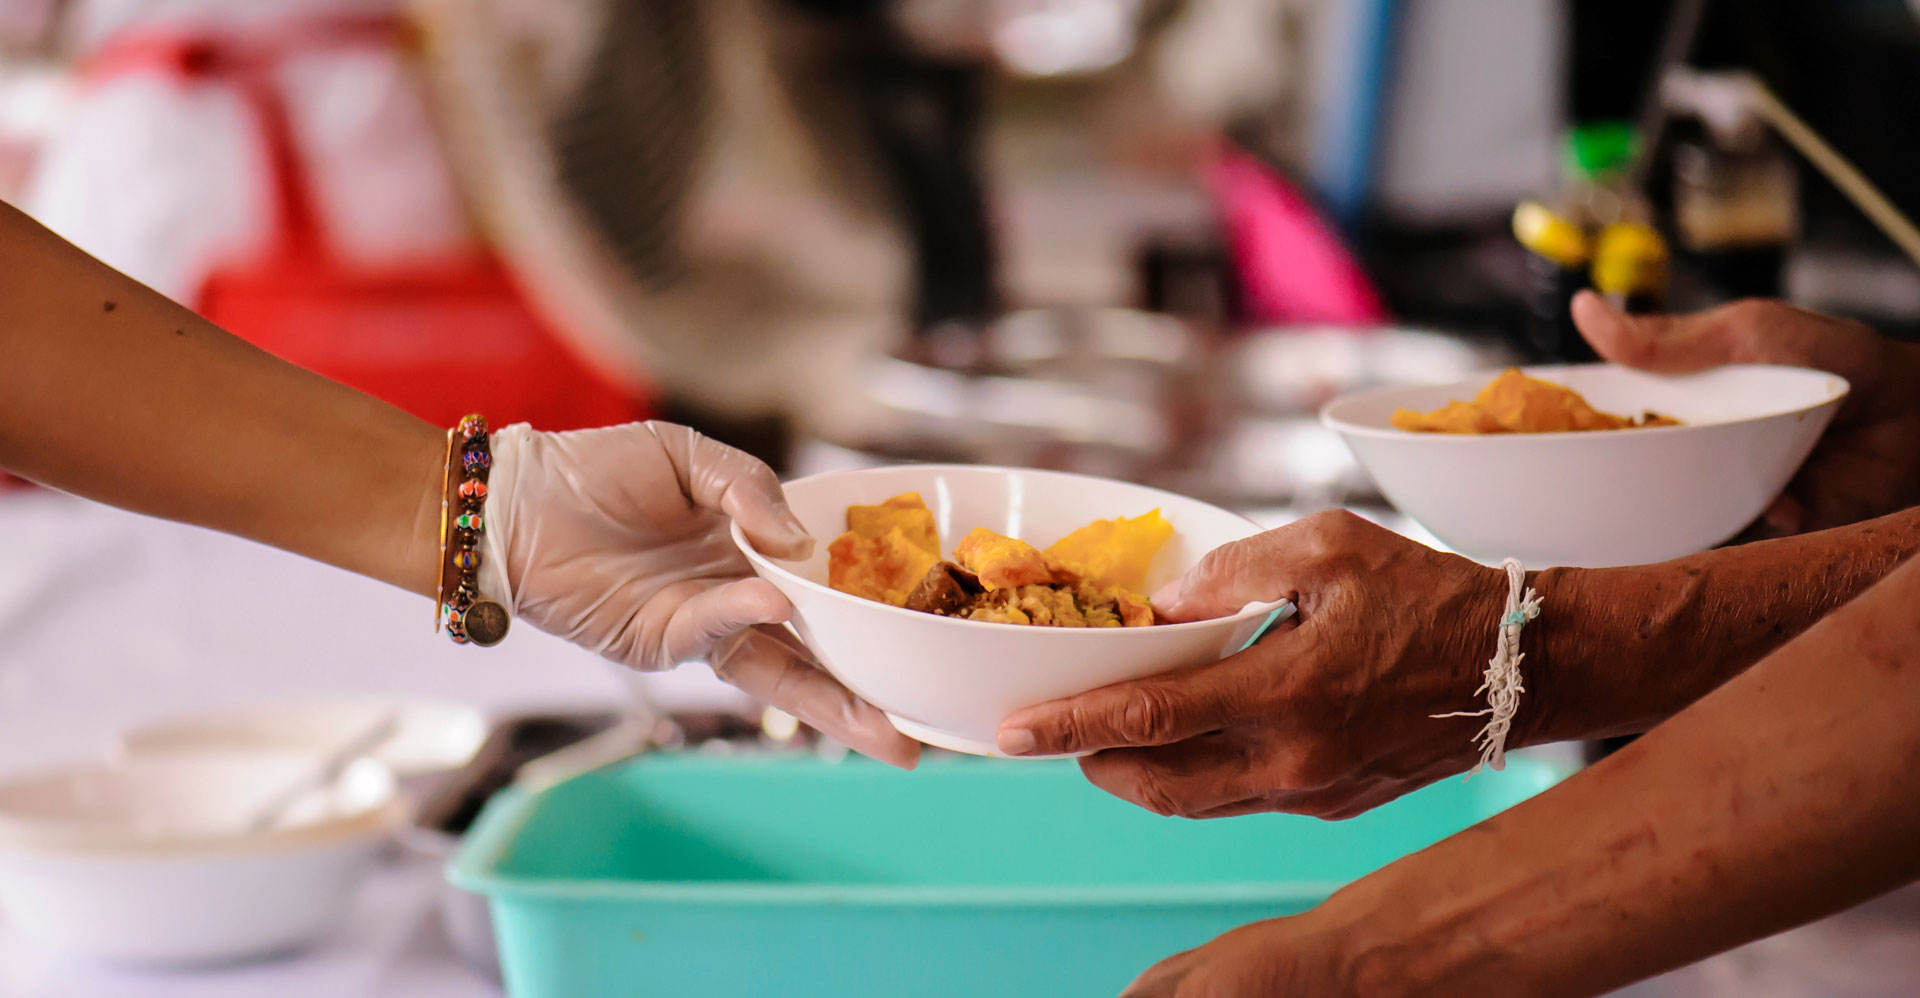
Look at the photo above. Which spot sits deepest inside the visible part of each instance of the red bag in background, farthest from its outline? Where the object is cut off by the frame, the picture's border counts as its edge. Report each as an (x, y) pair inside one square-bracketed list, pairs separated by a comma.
[(439, 337)]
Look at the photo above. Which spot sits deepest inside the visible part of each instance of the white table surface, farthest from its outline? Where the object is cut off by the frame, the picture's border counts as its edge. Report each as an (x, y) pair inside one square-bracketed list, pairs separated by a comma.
[(390, 946), (108, 618)]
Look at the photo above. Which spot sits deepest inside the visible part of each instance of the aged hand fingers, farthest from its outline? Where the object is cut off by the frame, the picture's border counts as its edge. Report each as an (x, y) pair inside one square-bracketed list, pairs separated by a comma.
[(1153, 711)]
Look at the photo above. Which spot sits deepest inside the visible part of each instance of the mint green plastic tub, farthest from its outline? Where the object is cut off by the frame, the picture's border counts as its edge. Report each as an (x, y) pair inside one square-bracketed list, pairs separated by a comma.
[(702, 877)]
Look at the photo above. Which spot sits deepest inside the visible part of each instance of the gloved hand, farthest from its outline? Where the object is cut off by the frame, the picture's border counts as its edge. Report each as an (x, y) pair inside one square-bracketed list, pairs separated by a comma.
[(617, 540)]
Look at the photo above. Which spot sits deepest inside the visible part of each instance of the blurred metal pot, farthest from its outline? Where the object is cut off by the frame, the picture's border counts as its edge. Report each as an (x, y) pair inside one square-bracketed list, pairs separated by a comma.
[(1102, 391), (1279, 460), (1143, 397), (1270, 449), (1295, 371)]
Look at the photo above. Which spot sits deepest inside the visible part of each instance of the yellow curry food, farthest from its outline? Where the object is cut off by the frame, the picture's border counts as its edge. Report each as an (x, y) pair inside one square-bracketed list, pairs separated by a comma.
[(1515, 403), (1089, 578)]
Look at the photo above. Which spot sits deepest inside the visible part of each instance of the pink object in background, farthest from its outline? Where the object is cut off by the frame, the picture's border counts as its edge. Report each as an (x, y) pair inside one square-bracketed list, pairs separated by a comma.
[(1293, 268)]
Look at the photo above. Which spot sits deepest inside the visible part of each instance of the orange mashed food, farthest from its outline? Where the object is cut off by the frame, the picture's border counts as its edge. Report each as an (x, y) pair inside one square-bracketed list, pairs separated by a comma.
[(1090, 578), (1516, 403)]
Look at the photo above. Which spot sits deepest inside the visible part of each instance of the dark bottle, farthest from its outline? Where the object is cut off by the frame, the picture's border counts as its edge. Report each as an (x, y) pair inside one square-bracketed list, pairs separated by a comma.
[(1563, 239), (1557, 257), (1736, 209)]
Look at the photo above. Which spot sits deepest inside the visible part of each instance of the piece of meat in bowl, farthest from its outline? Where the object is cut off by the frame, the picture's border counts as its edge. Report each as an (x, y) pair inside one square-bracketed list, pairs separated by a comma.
[(946, 589)]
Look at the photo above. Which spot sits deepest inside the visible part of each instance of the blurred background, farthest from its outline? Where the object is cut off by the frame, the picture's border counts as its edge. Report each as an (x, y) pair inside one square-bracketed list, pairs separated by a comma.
[(1138, 238)]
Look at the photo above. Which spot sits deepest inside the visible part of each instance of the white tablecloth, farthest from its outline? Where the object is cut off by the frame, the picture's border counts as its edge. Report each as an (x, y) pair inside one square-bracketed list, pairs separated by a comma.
[(391, 946), (108, 618)]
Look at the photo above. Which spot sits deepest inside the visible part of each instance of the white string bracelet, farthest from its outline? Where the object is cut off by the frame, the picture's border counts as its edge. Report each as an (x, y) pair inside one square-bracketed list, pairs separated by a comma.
[(1502, 682)]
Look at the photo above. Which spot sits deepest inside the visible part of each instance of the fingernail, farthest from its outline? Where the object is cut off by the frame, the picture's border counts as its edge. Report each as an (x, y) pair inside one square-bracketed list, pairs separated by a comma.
[(1016, 741), (1167, 595), (801, 542), (1594, 300), (795, 527)]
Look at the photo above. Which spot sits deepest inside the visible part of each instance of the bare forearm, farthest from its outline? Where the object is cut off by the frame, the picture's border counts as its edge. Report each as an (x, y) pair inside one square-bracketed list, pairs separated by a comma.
[(1620, 650), (1786, 795), (112, 392)]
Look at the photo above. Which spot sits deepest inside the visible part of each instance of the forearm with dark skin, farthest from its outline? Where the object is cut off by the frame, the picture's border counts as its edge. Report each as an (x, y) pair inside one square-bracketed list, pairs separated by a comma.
[(110, 391), (1784, 796), (1616, 651)]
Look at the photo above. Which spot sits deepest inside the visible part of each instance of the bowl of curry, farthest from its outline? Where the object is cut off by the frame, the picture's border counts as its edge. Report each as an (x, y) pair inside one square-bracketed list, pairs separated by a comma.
[(950, 596)]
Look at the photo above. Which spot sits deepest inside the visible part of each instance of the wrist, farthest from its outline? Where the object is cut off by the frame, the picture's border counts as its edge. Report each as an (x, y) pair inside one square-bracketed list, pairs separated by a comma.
[(1436, 927), (1454, 645), (1609, 655), (1392, 938), (1373, 935), (1557, 647), (417, 563)]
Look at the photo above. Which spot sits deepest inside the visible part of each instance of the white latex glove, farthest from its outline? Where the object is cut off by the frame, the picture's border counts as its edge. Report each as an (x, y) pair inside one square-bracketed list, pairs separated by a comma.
[(616, 539)]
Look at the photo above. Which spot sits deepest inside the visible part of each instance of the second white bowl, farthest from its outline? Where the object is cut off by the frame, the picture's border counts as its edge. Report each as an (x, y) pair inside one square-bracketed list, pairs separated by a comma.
[(1617, 497)]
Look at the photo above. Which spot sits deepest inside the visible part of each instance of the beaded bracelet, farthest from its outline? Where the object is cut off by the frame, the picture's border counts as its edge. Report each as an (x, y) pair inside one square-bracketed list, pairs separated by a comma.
[(469, 616)]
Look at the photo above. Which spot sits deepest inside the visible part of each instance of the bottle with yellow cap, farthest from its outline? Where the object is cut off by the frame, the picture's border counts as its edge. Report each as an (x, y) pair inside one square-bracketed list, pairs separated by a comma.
[(1558, 252), (1595, 236), (1630, 267)]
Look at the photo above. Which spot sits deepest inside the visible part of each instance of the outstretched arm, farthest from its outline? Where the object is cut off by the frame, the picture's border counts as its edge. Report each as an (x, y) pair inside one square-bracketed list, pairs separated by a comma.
[(1785, 795), (1334, 715), (615, 539), (110, 391)]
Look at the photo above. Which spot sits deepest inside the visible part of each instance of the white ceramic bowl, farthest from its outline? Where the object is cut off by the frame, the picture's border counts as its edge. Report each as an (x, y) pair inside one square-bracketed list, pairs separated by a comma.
[(145, 861), (949, 682), (1619, 497), (433, 738)]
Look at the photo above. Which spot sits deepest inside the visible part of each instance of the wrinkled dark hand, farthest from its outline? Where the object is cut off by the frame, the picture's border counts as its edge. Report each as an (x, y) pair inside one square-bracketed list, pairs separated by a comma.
[(1329, 714), (1868, 462)]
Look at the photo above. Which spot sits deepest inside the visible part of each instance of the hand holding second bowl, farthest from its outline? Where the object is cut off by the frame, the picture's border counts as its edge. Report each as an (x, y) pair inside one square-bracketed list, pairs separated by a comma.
[(1333, 714), (1866, 464), (1329, 714)]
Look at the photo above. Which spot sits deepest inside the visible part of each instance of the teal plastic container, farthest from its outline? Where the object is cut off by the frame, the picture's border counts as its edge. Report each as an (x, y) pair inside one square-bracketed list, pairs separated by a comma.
[(692, 876)]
